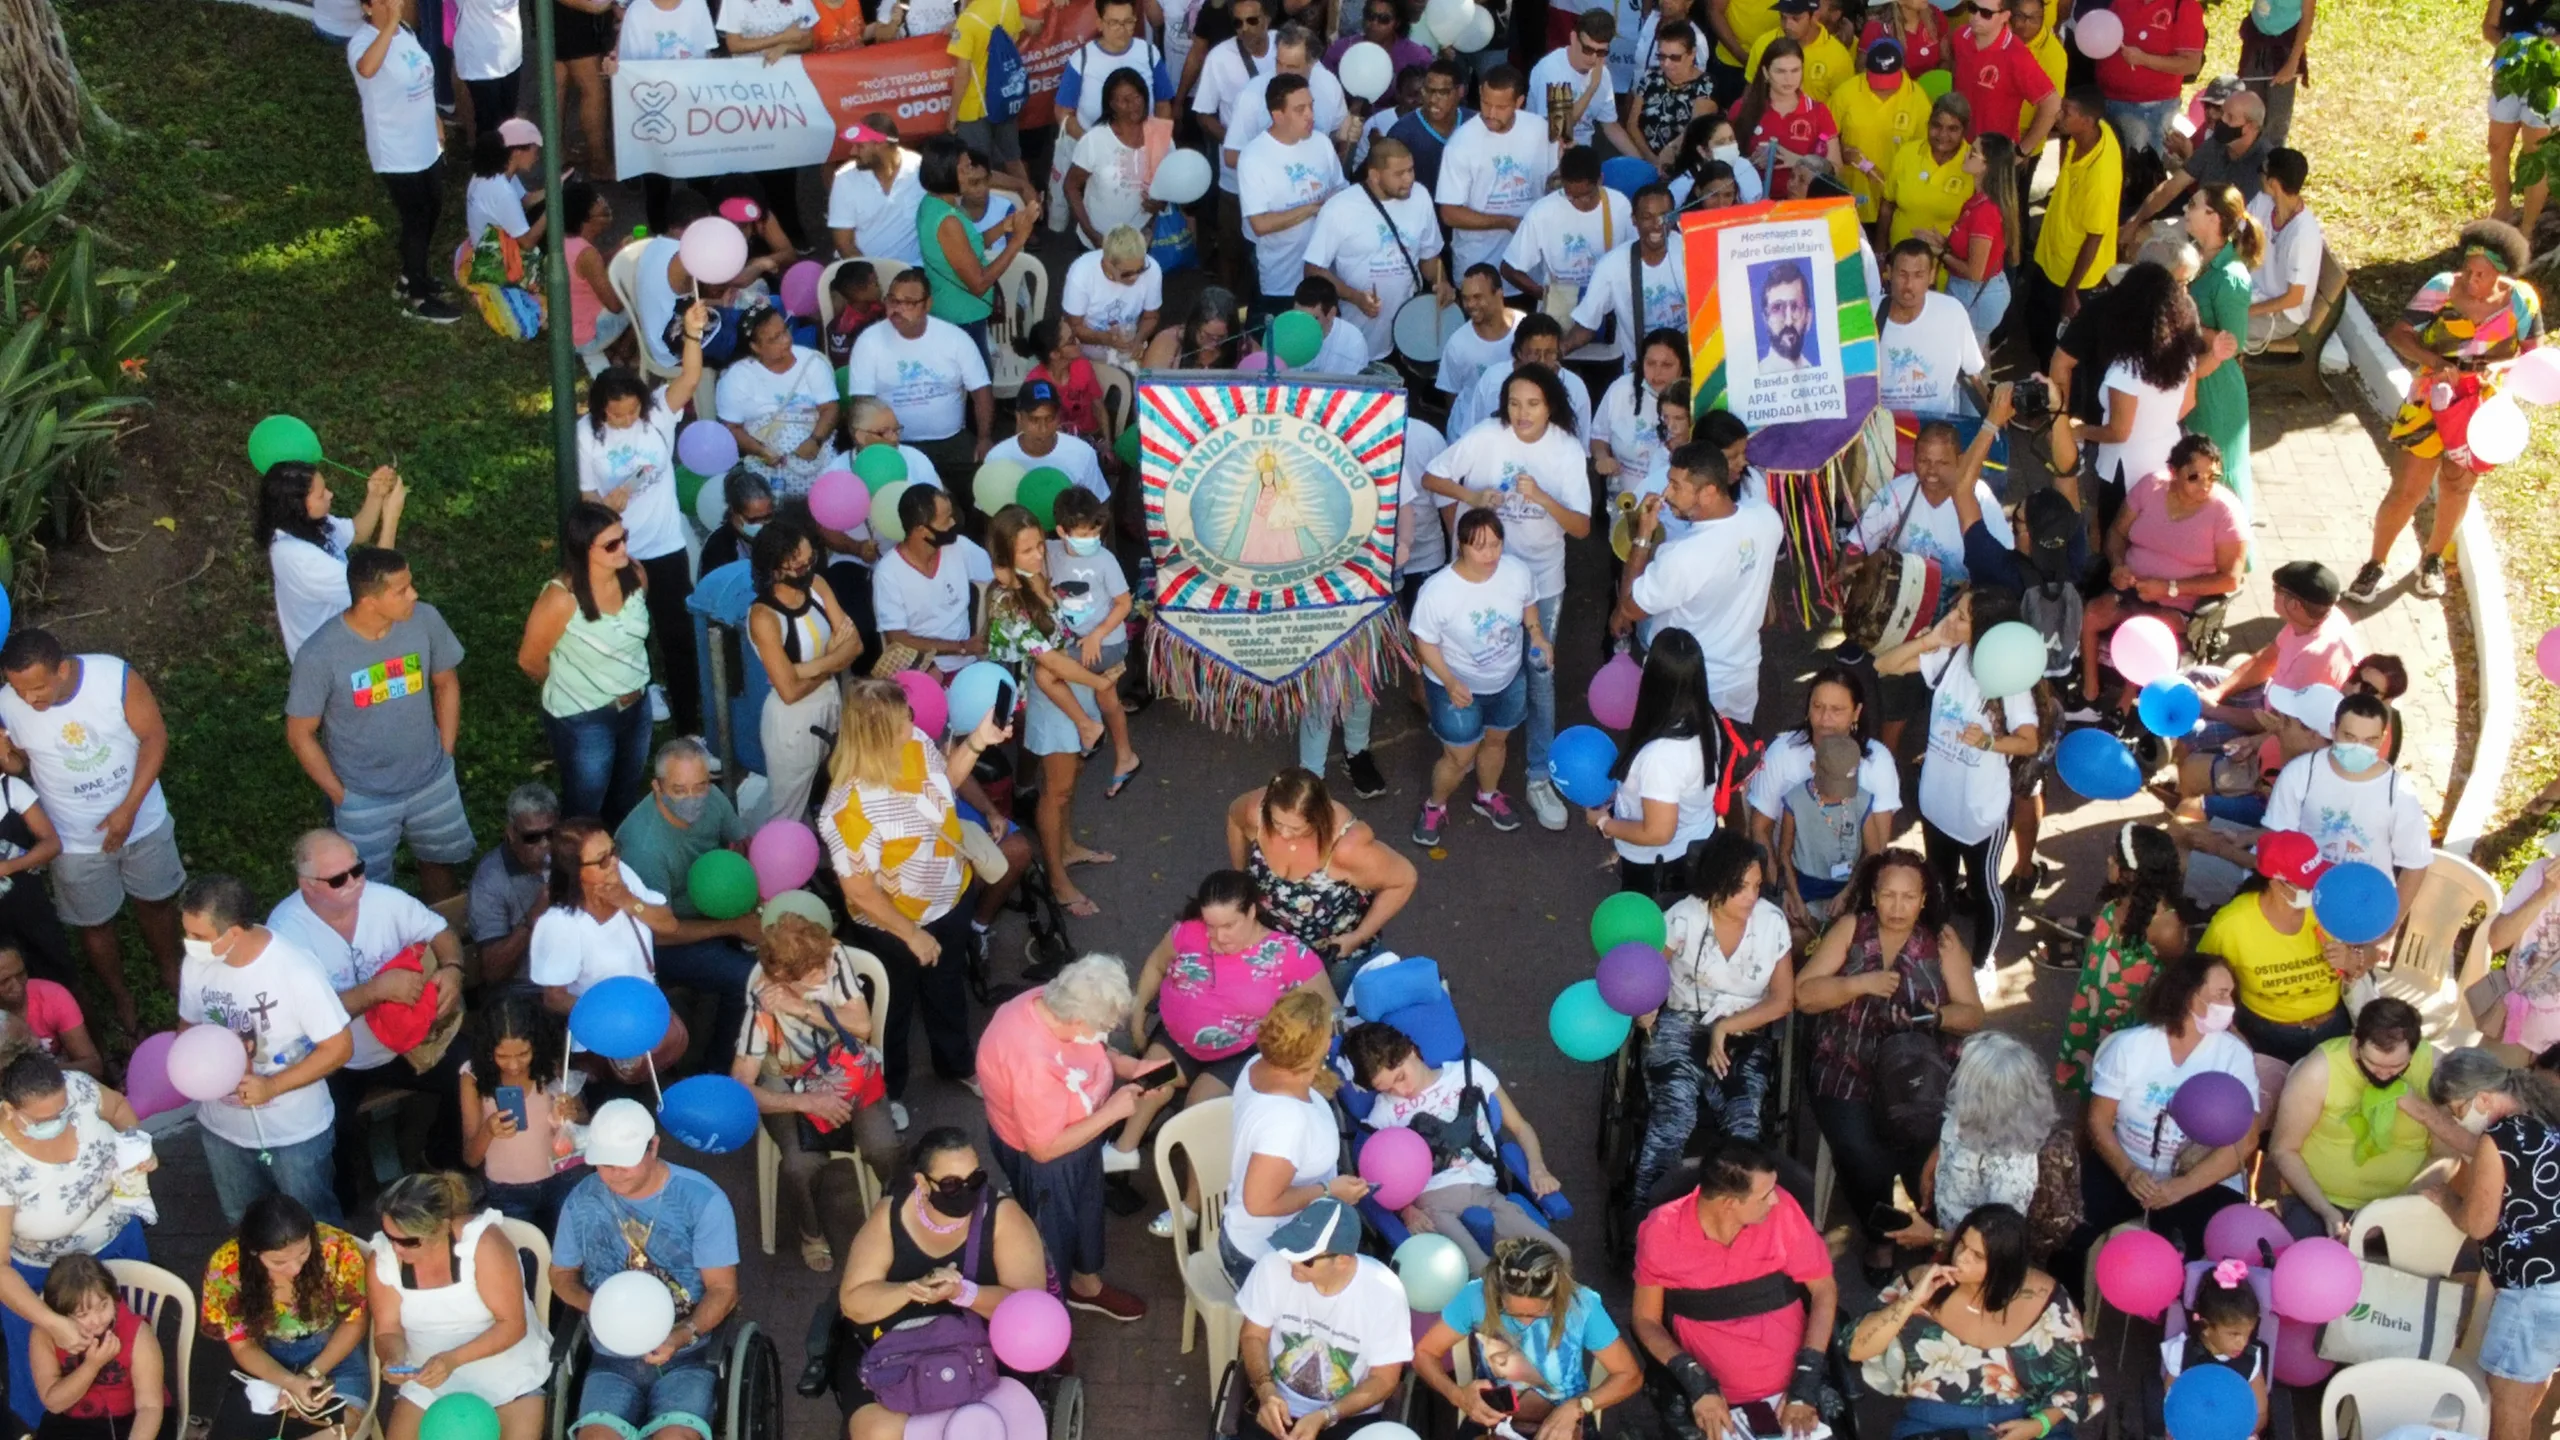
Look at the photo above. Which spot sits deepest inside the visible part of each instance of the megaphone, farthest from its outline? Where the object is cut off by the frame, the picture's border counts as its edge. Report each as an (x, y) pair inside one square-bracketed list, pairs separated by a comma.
[(1622, 525)]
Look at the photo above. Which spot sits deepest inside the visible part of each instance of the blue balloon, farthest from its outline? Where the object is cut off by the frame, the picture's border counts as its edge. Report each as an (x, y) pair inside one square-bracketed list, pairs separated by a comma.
[(1626, 174), (2097, 765), (2356, 902), (2210, 1402), (2170, 707), (622, 1018), (973, 694), (711, 1113), (1579, 760)]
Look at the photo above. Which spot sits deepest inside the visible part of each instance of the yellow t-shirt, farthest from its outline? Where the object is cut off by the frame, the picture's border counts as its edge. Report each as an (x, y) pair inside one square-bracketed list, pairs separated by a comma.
[(1750, 20), (2281, 978), (1876, 126), (1827, 62), (1927, 193), (2049, 58), (2085, 200), (970, 34)]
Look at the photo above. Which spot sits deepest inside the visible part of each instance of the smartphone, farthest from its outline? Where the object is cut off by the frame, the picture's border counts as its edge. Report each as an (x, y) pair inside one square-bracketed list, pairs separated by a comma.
[(1154, 1075), (1003, 710), (511, 1104), (400, 1372)]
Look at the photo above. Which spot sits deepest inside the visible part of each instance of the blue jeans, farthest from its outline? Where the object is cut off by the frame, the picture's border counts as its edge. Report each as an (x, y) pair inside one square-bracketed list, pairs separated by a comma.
[(717, 968), (1542, 694), (301, 1171), (634, 1399), (1986, 304), (1923, 1417), (1315, 732), (352, 1376), (25, 1401), (2141, 124), (603, 757)]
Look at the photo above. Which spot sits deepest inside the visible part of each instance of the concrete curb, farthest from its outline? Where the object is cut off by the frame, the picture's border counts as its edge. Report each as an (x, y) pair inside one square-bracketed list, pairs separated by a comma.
[(2384, 380)]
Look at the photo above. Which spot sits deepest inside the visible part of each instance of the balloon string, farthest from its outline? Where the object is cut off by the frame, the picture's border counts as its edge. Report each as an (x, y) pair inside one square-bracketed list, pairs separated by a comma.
[(350, 469), (651, 1059)]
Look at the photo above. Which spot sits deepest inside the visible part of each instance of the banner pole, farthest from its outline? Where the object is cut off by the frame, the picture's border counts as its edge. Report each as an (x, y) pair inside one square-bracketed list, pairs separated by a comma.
[(555, 266)]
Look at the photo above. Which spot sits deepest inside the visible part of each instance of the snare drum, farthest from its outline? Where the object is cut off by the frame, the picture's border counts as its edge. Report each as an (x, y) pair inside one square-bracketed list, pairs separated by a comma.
[(1893, 597), (1421, 325)]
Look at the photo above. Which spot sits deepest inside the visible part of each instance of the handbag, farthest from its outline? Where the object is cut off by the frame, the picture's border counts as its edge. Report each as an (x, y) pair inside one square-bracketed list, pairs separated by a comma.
[(845, 1065), (2397, 1316), (936, 1362), (1233, 1408)]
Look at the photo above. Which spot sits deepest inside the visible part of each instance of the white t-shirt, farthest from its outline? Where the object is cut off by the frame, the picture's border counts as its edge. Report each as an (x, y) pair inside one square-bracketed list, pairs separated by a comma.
[(1714, 583), (1422, 542), (641, 455), (2155, 425), (2379, 820), (1666, 299), (311, 583), (1271, 177), (1965, 791), (1496, 175), (493, 200), (1439, 1100), (1253, 115), (1932, 530), (388, 921), (1922, 359), (935, 606), (1710, 984), (2292, 258), (401, 136), (1070, 455), (1672, 771), (927, 380), (654, 298), (1465, 356), (1492, 457), (1094, 66), (1483, 400), (651, 33), (1557, 244), (1114, 195), (1556, 68), (2134, 1070), (488, 40), (756, 19), (1102, 302), (883, 222), (752, 395), (1480, 626), (283, 1004), (1352, 239), (1345, 350), (1340, 1338), (1301, 1132), (1788, 763), (1227, 77), (575, 951)]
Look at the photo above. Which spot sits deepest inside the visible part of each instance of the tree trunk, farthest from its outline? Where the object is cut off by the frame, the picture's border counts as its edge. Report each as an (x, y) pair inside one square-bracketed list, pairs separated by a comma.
[(40, 101)]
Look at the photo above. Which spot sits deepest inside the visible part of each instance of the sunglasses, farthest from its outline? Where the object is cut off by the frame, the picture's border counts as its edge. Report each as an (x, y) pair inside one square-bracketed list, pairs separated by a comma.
[(404, 1242), (339, 880), (612, 546), (535, 837), (1985, 12), (611, 854), (957, 1184)]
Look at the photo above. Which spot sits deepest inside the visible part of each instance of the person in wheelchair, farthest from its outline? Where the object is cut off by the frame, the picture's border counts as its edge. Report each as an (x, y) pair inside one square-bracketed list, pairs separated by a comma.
[(2005, 1352), (1533, 1336), (1735, 1302), (2181, 538), (637, 1212), (1326, 1333), (1453, 1107)]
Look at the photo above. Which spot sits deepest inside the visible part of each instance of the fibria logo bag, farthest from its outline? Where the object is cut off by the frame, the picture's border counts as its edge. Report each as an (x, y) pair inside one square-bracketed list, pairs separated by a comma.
[(2397, 1316)]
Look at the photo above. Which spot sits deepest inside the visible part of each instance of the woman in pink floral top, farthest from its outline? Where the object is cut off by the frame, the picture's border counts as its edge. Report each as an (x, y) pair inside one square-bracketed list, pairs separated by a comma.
[(1983, 1343), (2136, 932)]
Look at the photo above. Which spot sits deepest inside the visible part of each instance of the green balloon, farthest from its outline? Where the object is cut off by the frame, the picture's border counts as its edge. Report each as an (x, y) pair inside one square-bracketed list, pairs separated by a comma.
[(1937, 83), (459, 1416), (879, 465), (1039, 494), (1627, 918), (723, 886), (1126, 447), (279, 438), (1296, 337), (688, 488)]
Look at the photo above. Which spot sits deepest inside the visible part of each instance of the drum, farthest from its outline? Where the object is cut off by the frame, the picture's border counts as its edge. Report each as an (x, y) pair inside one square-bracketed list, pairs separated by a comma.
[(1421, 325), (1892, 597), (1561, 297)]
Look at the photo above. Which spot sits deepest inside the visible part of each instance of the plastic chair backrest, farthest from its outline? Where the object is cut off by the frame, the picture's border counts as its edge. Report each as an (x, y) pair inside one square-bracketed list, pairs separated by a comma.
[(1119, 395), (2451, 890), (2417, 1236), (867, 968), (148, 1289), (2400, 1392), (1204, 1136), (531, 1243), (884, 270), (623, 270)]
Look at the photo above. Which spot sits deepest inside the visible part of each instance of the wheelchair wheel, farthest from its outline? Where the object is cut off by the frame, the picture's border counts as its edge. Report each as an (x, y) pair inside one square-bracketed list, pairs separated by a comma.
[(752, 1394), (568, 1368), (1621, 1133), (1066, 1409)]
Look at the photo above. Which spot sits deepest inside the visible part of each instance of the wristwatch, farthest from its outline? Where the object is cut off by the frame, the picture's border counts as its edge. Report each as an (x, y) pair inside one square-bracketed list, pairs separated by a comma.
[(2173, 589)]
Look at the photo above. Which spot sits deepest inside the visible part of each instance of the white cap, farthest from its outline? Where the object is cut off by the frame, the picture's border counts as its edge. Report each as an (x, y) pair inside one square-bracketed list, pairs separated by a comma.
[(620, 1133), (2314, 706)]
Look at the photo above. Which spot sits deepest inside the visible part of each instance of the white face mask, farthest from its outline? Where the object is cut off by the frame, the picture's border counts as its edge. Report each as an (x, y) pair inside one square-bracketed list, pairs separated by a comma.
[(1726, 153), (2216, 1019), (2475, 1123), (2297, 898), (197, 949)]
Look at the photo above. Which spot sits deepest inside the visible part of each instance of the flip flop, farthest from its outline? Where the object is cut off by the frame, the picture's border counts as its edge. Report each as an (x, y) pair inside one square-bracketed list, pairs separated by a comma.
[(1120, 780)]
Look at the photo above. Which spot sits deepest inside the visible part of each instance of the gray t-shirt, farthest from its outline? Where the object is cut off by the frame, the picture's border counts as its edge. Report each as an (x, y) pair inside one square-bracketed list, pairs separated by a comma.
[(2214, 164), (502, 895), (1087, 587), (376, 710)]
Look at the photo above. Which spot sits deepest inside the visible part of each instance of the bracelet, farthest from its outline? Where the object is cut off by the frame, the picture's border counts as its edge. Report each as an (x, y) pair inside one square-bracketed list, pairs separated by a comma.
[(968, 1295), (2044, 1426)]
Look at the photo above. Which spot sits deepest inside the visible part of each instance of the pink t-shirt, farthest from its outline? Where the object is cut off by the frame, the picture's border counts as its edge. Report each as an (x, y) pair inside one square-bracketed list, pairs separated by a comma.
[(2161, 548), (1213, 1004), (584, 304), (51, 1013), (2326, 656), (1752, 1358), (1037, 1084)]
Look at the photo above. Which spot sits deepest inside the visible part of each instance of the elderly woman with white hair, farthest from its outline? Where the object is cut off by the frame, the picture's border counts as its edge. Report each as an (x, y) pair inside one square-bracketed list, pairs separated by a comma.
[(2507, 1197), (1113, 298), (1054, 1092), (2003, 1142)]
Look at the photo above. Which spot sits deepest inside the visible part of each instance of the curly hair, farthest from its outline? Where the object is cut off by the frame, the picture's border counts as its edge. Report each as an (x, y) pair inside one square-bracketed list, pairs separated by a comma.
[(2173, 994), (519, 1015), (2503, 242), (794, 949), (1297, 1034), (271, 1223), (2161, 338), (2147, 874)]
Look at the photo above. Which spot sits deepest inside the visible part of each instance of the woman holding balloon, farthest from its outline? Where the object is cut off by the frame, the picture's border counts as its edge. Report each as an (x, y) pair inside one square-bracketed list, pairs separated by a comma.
[(451, 1315), (1664, 801), (307, 546), (779, 404), (2175, 1161), (806, 642), (62, 1136), (2507, 1197)]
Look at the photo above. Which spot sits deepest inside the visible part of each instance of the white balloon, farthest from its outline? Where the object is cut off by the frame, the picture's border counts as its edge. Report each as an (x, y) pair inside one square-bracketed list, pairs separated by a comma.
[(2498, 431), (711, 503), (632, 1314), (1478, 32), (1181, 178), (1419, 32), (1367, 70), (1448, 19)]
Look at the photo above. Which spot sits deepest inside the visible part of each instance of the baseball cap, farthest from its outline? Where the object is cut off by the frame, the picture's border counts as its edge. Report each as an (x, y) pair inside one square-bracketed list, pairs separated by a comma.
[(1798, 7), (861, 134), (1835, 765), (620, 1133), (2308, 581), (2051, 519), (739, 210), (1885, 57), (1034, 394), (2220, 88), (516, 130), (2315, 706), (1327, 1227), (2290, 856)]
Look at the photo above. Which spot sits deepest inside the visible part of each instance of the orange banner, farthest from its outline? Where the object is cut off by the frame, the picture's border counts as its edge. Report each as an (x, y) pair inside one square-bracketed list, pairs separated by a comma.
[(911, 79)]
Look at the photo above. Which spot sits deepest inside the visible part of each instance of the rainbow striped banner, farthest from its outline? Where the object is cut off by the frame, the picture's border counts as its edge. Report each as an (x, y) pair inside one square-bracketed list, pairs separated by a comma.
[(1848, 356)]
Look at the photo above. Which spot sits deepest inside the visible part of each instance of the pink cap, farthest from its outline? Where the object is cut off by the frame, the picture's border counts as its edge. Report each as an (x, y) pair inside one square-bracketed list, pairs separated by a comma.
[(519, 131), (860, 134), (739, 210)]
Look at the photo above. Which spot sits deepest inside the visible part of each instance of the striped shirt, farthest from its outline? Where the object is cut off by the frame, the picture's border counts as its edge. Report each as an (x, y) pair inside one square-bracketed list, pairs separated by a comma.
[(905, 836)]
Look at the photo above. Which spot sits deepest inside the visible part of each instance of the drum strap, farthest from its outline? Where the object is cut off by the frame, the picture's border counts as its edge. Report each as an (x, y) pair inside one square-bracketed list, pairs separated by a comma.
[(1395, 234)]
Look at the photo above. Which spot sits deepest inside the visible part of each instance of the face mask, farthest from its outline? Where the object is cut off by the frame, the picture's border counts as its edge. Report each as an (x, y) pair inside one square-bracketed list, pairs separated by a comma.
[(1084, 544), (751, 528), (2474, 1123), (53, 1128), (2217, 1018), (941, 538), (1726, 153), (2355, 757), (2299, 899), (793, 578), (954, 1204), (196, 949), (688, 808), (2226, 133)]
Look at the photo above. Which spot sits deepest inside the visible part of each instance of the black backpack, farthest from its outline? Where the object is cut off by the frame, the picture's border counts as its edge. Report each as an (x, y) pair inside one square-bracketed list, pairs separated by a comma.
[(1907, 1084)]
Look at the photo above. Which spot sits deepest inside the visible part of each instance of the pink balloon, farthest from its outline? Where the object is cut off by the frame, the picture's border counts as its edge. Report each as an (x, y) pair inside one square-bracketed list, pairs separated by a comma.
[(2140, 1273), (2098, 34), (2236, 1231), (1398, 1162), (1613, 692), (714, 250), (785, 854), (206, 1062), (839, 500), (2546, 655), (2535, 378), (146, 1077), (2317, 1281), (1007, 1412), (2144, 649), (1030, 1330), (2297, 1357), (800, 289), (924, 696)]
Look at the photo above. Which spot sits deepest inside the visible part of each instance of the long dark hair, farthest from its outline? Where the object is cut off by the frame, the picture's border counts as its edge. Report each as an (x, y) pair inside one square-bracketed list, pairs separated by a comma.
[(1694, 151), (774, 544), (518, 1015), (1861, 896), (562, 889), (271, 1223), (2152, 878), (2161, 339), (284, 499), (587, 521), (2173, 991), (1672, 703), (1864, 727), (2003, 1233), (1755, 100), (618, 382)]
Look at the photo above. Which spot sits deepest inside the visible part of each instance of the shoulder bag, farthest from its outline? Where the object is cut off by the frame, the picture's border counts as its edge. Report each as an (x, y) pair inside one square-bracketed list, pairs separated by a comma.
[(936, 1362)]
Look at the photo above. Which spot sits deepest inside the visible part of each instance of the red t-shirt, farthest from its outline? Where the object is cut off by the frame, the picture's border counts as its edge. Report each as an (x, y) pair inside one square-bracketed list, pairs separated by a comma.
[(1996, 81), (1751, 1359), (1979, 217), (1803, 132), (2159, 28), (110, 1395), (1921, 53)]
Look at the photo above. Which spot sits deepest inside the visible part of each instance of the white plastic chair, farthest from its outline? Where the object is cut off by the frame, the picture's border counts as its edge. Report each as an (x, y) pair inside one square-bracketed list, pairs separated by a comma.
[(1022, 297), (2417, 1236), (623, 270), (1119, 397), (147, 1289), (886, 270), (2425, 969), (1203, 1135), (2400, 1392), (866, 967), (533, 1244)]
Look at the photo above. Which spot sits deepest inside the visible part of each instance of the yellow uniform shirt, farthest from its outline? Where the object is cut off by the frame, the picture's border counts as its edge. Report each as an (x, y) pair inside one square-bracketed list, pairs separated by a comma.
[(2049, 58), (2280, 978), (1876, 126), (2085, 201), (1927, 193), (1750, 20), (970, 33), (1827, 62)]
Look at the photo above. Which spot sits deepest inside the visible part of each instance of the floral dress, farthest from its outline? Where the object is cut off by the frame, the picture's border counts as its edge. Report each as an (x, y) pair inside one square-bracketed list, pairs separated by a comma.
[(341, 1255), (2114, 974), (1935, 1374), (1316, 907)]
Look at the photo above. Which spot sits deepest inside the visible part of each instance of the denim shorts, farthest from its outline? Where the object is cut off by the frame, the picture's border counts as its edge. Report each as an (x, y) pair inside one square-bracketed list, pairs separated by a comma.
[(2522, 1342), (636, 1400), (1503, 710), (2512, 110)]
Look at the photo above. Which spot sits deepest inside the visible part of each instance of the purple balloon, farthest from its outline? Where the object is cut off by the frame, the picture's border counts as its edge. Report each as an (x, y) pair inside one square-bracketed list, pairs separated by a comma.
[(1397, 1162), (2236, 1232), (1634, 978), (2214, 1109), (785, 854), (146, 1077), (707, 448), (1613, 692), (2317, 1280), (800, 289)]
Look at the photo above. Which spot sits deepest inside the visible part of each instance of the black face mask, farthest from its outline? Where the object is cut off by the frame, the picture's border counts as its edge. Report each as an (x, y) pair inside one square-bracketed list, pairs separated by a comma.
[(955, 1203), (940, 538), (2226, 133), (2376, 1081)]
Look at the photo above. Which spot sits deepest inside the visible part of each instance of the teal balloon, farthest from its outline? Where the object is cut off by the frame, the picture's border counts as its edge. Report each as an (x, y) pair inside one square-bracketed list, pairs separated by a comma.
[(2008, 658), (973, 693), (459, 1416), (880, 465), (1433, 1270), (1296, 337), (1583, 1025), (722, 884)]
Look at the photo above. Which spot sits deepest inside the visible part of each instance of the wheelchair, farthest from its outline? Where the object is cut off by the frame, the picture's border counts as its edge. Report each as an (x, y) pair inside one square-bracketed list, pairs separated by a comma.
[(836, 1370), (1047, 948), (747, 1378), (1625, 1110)]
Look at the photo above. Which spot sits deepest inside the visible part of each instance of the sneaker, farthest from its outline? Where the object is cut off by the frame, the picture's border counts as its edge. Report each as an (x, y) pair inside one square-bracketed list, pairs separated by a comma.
[(2429, 584), (435, 310), (1496, 807), (2082, 715), (1986, 982), (1161, 1227), (1110, 1302), (1366, 781), (658, 711), (2368, 583), (1120, 1195), (1545, 803), (1428, 825), (898, 1116), (970, 1084), (1116, 1161)]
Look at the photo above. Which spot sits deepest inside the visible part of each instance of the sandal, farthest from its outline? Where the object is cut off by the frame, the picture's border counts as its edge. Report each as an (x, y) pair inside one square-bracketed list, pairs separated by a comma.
[(1120, 780), (815, 1254)]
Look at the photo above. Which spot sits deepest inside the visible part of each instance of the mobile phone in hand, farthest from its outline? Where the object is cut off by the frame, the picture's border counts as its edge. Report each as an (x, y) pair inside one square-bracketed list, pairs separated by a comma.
[(511, 1104), (1150, 1076)]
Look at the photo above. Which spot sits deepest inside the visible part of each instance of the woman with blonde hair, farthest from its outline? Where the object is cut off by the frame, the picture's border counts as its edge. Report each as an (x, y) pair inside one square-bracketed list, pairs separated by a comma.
[(1529, 1326), (2217, 220), (1287, 1149), (1321, 872), (450, 1312), (891, 823)]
